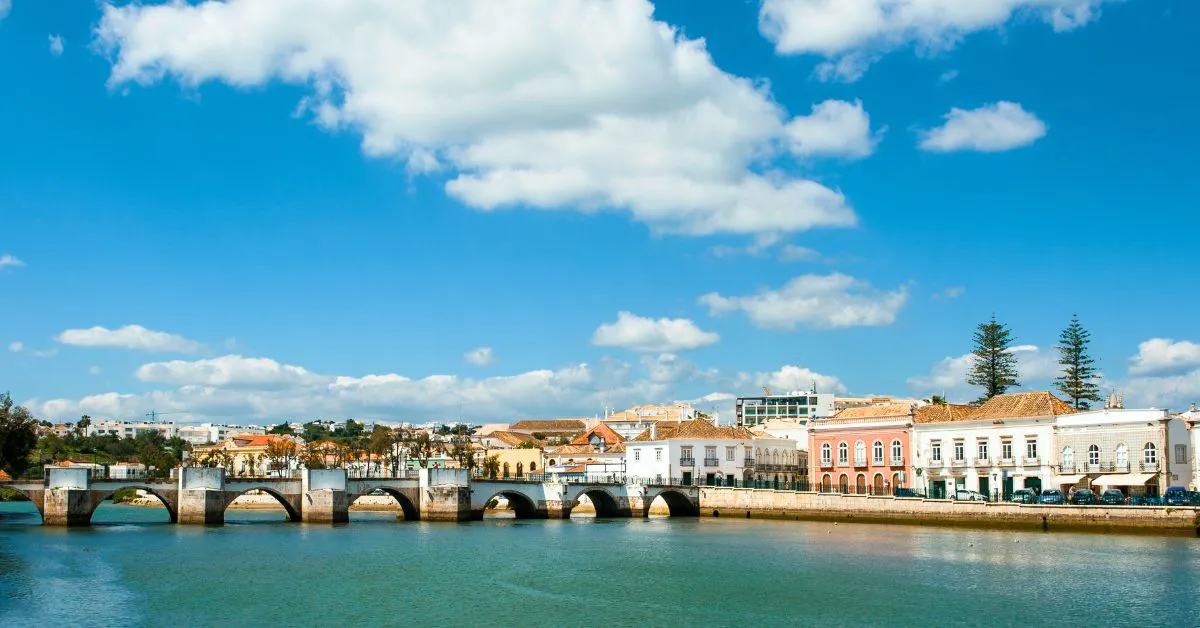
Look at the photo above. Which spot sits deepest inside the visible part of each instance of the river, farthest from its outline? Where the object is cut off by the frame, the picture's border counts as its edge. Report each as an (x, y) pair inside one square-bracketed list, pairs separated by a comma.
[(133, 569)]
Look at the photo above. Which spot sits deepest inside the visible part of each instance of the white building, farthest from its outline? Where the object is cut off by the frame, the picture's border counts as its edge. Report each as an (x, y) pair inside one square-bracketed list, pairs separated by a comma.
[(207, 433), (1192, 419), (629, 423), (1139, 451), (799, 406), (996, 448), (698, 452), (130, 429)]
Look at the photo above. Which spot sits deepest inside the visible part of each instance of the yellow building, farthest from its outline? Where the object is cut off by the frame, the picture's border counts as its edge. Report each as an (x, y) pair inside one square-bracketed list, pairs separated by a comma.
[(249, 455), (516, 463)]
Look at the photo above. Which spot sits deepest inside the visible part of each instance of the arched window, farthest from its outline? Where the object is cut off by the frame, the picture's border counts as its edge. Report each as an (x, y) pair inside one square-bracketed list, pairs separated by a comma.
[(826, 453), (1122, 456), (1150, 454), (896, 481), (775, 457), (1068, 457), (860, 485), (532, 467), (877, 485), (860, 453), (877, 452), (1093, 456), (506, 469), (844, 482), (826, 483), (897, 452), (520, 469), (843, 453)]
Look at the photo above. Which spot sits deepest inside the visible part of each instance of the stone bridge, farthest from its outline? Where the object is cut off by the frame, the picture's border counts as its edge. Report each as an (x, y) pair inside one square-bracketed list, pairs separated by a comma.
[(69, 496)]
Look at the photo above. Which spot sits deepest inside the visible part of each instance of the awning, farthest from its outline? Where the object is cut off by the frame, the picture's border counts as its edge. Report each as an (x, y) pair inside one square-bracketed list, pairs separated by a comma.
[(1068, 479), (1124, 479)]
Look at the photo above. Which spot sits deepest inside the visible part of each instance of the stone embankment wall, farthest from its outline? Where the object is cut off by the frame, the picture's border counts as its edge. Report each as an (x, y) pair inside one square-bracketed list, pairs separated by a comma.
[(759, 503)]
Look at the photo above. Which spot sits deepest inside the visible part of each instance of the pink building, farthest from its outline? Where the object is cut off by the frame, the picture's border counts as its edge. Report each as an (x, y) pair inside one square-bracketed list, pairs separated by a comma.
[(861, 450)]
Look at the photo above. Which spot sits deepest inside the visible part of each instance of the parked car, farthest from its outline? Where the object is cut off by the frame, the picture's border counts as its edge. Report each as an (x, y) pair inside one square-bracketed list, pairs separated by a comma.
[(907, 492), (1112, 497), (1052, 496), (1023, 496), (970, 496), (1084, 497), (1176, 496)]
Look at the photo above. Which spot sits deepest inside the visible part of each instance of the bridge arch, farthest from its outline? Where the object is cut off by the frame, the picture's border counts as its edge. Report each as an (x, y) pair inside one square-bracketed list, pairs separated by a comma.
[(292, 512), (605, 503), (521, 504), (411, 513), (678, 503), (98, 498)]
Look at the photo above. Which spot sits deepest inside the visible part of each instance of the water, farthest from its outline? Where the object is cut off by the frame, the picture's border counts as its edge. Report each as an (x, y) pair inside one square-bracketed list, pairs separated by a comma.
[(259, 570)]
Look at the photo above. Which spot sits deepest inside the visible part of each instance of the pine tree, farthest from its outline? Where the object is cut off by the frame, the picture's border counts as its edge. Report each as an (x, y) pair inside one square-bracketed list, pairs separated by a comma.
[(993, 366), (1078, 380)]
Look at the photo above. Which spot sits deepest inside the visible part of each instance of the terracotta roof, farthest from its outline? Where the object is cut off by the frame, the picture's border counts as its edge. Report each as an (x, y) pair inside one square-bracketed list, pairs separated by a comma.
[(556, 425), (1017, 405), (944, 413), (874, 412), (4, 476), (695, 429), (651, 412), (514, 439), (256, 440), (601, 430), (572, 449)]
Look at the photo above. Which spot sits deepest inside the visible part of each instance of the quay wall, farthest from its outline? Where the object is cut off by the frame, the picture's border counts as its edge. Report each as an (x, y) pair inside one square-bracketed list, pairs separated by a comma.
[(773, 504)]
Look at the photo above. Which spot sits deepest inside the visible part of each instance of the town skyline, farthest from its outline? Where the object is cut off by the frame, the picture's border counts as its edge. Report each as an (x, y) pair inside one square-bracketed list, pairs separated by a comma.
[(247, 234)]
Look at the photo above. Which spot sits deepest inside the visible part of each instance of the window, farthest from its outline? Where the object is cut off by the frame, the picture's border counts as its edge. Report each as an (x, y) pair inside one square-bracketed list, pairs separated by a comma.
[(1181, 454), (1031, 449), (637, 455), (982, 445), (1150, 454), (877, 450), (1122, 456), (729, 451), (1094, 456), (826, 453), (959, 450), (843, 453), (710, 453), (1006, 449), (685, 452), (658, 454), (897, 451), (860, 453), (1068, 457), (936, 449)]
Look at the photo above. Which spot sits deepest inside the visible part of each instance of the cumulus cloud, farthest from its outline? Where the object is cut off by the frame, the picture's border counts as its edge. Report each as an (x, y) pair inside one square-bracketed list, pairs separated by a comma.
[(791, 377), (852, 34), (228, 371), (1159, 356), (7, 260), (835, 128), (663, 335), (56, 45), (482, 356), (822, 301), (1036, 369), (991, 128), (545, 104), (16, 346), (133, 337)]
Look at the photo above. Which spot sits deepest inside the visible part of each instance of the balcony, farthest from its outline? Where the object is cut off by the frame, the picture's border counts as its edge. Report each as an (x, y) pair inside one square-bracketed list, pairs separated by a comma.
[(687, 462), (897, 462), (938, 462), (1030, 461), (958, 462), (1149, 466), (712, 462), (878, 462), (983, 462), (827, 464), (749, 462), (1008, 462), (860, 462)]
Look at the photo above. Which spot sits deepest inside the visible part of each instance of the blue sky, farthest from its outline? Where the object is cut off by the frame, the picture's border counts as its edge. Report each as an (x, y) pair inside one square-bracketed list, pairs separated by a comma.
[(257, 210)]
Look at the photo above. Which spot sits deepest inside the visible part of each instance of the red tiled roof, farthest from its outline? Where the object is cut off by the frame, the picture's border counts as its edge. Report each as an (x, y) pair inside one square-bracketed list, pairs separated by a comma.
[(695, 428), (875, 412), (4, 476), (556, 425), (514, 439), (601, 430), (1018, 405), (944, 413)]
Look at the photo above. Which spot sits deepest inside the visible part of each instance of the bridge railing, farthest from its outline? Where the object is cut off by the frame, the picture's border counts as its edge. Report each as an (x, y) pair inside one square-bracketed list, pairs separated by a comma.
[(564, 478)]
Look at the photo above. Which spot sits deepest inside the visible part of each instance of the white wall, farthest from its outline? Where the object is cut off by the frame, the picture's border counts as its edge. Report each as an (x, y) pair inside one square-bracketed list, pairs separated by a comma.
[(642, 461), (1018, 431)]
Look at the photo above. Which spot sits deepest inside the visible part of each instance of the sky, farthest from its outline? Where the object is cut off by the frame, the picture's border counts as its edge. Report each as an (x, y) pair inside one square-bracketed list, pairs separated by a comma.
[(436, 210)]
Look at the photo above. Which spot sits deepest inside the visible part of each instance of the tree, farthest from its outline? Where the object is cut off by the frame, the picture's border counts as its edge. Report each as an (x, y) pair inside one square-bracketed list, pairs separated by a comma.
[(279, 453), (421, 447), (937, 400), (491, 466), (1078, 380), (993, 366), (18, 435), (460, 450), (282, 429)]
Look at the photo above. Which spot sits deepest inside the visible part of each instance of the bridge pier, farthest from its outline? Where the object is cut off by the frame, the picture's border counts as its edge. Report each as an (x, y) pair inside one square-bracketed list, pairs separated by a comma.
[(201, 496), (66, 500), (325, 497), (445, 495)]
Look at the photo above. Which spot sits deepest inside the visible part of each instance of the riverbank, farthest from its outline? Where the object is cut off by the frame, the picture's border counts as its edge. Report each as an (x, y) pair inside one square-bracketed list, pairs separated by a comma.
[(772, 504)]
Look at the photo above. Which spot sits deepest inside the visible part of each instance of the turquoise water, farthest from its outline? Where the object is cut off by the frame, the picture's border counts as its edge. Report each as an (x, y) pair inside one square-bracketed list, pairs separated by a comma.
[(134, 569)]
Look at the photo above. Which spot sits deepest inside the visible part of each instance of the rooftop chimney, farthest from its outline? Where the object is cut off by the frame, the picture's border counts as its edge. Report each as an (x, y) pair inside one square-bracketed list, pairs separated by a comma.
[(654, 431)]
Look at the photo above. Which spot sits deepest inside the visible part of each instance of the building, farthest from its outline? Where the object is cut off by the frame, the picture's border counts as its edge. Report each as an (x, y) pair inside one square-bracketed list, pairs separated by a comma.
[(698, 452), (794, 406), (564, 429), (509, 440), (516, 463), (130, 429), (1139, 451), (1192, 419), (633, 421), (600, 447), (207, 433), (862, 450), (841, 403), (246, 454)]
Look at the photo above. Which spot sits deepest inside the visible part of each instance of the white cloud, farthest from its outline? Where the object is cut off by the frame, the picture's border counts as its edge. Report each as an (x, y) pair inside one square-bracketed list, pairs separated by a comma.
[(952, 292), (16, 346), (133, 337), (823, 301), (94, 370), (1159, 356), (230, 371), (45, 353), (1036, 369), (852, 34), (5, 5), (7, 260), (663, 335), (56, 45), (482, 356), (795, 253), (991, 128), (1166, 391), (835, 128), (547, 104), (948, 75), (791, 377)]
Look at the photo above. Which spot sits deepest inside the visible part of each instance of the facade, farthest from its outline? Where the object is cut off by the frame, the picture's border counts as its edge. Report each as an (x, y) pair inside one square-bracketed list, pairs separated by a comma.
[(841, 403), (698, 452), (600, 445), (632, 422), (556, 428), (861, 450), (517, 463), (996, 448), (1191, 418), (508, 440), (794, 406), (1141, 452), (207, 433), (247, 454), (130, 429)]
